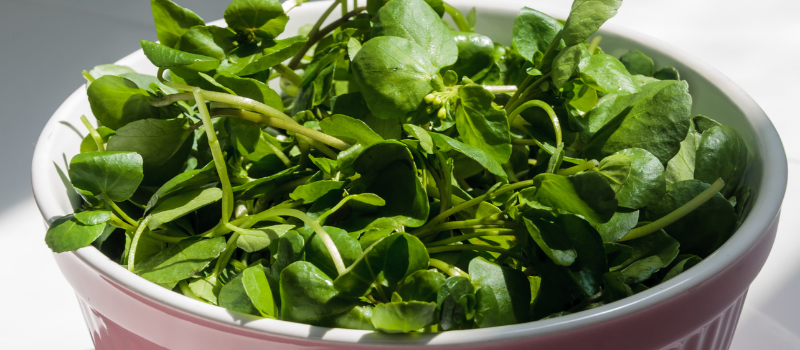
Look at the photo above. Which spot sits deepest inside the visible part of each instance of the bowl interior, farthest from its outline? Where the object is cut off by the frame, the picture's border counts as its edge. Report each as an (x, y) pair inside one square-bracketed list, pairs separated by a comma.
[(713, 95)]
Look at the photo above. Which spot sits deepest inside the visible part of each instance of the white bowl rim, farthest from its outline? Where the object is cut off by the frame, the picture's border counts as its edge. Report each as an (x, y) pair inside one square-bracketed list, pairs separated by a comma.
[(764, 209)]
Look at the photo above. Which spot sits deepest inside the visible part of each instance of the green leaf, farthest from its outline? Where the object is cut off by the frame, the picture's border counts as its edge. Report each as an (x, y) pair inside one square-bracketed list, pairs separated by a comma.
[(637, 63), (403, 317), (251, 88), (425, 140), (681, 166), (114, 175), (318, 254), (503, 294), (447, 144), (211, 41), (192, 178), (118, 101), (89, 145), (703, 230), (605, 73), (590, 264), (253, 240), (233, 296), (163, 56), (93, 217), (264, 18), (392, 258), (646, 184), (648, 255), (721, 153), (681, 264), (181, 204), (422, 285), (416, 21), (534, 31), (565, 64), (619, 226), (172, 21), (456, 303), (273, 55), (257, 288), (351, 130), (475, 53), (67, 233), (308, 296), (309, 193), (667, 73), (156, 140), (394, 75), (391, 162), (552, 241), (180, 260), (615, 169), (481, 125), (587, 194), (291, 248), (586, 17)]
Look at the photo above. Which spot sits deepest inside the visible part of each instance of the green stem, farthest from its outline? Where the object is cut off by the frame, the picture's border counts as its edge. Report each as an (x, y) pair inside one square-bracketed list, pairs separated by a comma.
[(587, 165), (500, 88), (121, 212), (314, 35), (289, 74), (461, 238), (458, 18), (188, 291), (88, 76), (219, 158), (546, 107), (524, 91), (282, 156), (475, 201), (450, 270), (95, 135), (282, 124), (135, 243), (594, 44), (446, 186), (163, 238), (116, 221), (550, 49), (481, 223), (222, 261), (476, 247), (344, 7), (677, 214)]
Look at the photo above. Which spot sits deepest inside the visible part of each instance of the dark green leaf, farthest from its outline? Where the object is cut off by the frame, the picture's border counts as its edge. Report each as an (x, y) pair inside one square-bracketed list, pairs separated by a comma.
[(192, 178), (681, 166), (350, 130), (619, 226), (721, 153), (503, 294), (615, 169), (587, 194), (172, 21), (308, 296), (534, 31), (265, 18), (646, 184), (456, 303), (586, 17), (565, 64), (114, 175), (309, 193), (181, 204), (481, 125), (273, 55), (475, 53), (166, 57), (637, 63), (394, 75), (682, 263), (118, 101), (93, 217), (552, 241), (316, 253), (414, 20), (446, 144), (403, 317), (211, 41), (156, 140), (180, 260), (251, 88), (422, 285), (67, 233), (392, 258)]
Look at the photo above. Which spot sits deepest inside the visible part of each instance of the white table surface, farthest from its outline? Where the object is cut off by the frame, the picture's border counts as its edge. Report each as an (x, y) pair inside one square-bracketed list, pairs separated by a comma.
[(44, 44)]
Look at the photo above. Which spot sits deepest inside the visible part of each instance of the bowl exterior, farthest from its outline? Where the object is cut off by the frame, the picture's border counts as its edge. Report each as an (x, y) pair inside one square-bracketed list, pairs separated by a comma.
[(696, 310)]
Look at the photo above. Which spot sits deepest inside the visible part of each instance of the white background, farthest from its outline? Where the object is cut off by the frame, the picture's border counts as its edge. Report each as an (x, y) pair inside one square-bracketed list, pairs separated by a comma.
[(44, 45)]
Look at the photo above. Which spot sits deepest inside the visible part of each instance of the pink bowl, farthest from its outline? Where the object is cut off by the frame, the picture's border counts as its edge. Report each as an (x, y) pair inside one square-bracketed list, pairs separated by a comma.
[(699, 309)]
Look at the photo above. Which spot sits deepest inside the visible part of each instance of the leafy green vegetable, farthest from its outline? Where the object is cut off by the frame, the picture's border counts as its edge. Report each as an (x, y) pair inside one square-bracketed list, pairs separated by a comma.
[(411, 175)]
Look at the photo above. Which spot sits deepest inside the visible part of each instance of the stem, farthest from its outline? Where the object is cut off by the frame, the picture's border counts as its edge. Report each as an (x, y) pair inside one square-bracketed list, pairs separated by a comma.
[(312, 35), (481, 223), (170, 99), (219, 158), (222, 261), (589, 164), (486, 248), (677, 214), (446, 188), (121, 213), (344, 7), (524, 90), (550, 50), (282, 156), (546, 108), (135, 243), (450, 270), (88, 76), (282, 124), (476, 201), (593, 45), (116, 221), (500, 88), (164, 238), (249, 221), (95, 135), (187, 291), (458, 18), (289, 74), (461, 238)]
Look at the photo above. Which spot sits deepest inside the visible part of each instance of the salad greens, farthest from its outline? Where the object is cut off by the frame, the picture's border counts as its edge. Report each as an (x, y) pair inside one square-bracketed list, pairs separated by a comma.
[(396, 171)]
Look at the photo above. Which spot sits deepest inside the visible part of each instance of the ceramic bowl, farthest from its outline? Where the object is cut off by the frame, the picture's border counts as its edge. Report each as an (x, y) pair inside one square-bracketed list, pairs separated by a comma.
[(698, 309)]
